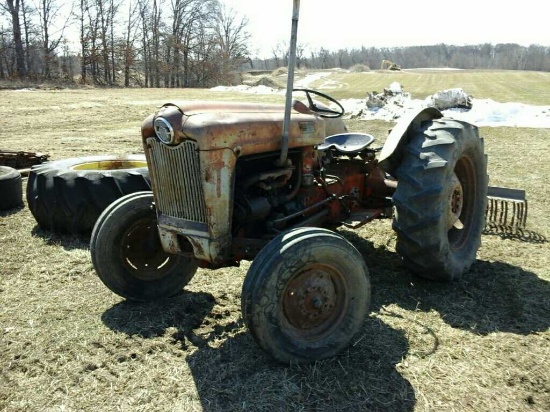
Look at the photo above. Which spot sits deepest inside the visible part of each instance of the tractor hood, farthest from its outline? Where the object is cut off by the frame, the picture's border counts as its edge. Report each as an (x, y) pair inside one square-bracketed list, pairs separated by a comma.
[(244, 128)]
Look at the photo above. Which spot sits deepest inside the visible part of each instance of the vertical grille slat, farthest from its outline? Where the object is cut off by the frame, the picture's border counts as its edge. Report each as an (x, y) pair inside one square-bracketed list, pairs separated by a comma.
[(177, 178)]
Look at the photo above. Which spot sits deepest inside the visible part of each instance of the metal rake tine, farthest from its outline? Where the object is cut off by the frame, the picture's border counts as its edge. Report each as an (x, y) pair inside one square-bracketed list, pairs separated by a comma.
[(505, 212), (494, 211)]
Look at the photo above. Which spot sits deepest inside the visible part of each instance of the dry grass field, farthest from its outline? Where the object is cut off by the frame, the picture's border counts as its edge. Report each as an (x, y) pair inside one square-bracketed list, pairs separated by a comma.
[(68, 344)]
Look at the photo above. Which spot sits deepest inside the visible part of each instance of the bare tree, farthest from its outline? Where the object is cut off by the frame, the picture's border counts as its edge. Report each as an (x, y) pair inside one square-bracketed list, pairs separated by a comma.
[(280, 52), (188, 34), (89, 35), (231, 37), (130, 37), (113, 9), (3, 54), (26, 12), (182, 15), (103, 16), (143, 10), (155, 61), (14, 7), (49, 13), (84, 49)]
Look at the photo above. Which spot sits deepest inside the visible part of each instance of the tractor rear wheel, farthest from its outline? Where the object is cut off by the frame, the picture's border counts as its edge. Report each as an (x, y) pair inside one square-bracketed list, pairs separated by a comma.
[(128, 256), (68, 195), (440, 199), (306, 295)]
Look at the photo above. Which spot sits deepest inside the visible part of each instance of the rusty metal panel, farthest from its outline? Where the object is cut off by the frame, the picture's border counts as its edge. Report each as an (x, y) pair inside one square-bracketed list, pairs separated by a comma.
[(193, 107), (177, 180), (218, 179), (251, 133)]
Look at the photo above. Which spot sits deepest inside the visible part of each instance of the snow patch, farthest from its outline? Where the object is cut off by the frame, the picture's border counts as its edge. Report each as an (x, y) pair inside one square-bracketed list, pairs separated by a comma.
[(487, 112), (454, 103), (243, 88), (310, 78)]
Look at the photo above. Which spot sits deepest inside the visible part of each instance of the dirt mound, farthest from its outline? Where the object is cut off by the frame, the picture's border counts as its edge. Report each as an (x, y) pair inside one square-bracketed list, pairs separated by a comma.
[(266, 81)]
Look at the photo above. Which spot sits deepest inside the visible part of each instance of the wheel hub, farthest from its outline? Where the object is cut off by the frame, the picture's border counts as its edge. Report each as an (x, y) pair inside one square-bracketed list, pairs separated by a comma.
[(456, 202), (142, 251), (310, 299)]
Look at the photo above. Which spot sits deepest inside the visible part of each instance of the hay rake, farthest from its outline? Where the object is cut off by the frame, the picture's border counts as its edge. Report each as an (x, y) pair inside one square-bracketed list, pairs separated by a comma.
[(506, 207)]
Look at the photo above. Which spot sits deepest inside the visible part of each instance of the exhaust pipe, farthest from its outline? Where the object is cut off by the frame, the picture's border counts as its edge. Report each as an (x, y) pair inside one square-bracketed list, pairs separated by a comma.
[(506, 207), (281, 162)]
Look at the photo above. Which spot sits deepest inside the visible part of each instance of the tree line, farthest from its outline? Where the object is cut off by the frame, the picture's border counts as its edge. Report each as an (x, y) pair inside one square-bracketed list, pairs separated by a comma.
[(191, 43), (481, 56), (150, 43)]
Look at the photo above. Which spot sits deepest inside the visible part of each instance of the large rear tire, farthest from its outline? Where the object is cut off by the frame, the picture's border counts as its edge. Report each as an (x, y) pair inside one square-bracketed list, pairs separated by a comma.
[(128, 256), (67, 196), (441, 199), (306, 295)]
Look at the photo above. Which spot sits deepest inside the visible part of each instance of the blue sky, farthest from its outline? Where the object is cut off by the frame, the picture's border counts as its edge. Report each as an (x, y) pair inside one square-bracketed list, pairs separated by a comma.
[(337, 24)]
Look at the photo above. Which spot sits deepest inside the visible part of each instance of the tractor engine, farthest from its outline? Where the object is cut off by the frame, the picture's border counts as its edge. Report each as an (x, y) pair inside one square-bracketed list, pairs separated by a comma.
[(318, 189)]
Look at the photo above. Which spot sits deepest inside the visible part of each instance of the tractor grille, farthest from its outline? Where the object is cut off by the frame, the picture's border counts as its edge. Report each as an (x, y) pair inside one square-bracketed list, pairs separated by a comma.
[(177, 180)]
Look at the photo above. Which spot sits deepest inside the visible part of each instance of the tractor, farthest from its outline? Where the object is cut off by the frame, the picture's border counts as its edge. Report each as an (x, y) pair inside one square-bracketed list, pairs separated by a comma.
[(270, 183)]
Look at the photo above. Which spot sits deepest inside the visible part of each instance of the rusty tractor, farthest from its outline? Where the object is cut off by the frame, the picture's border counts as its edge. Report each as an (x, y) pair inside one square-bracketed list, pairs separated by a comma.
[(270, 183)]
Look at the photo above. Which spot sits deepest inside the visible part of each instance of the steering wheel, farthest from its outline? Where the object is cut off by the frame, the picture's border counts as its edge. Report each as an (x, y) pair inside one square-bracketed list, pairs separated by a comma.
[(323, 110)]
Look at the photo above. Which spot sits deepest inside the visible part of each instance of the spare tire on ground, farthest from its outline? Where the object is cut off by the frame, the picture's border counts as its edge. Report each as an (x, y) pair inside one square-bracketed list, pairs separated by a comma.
[(67, 196), (11, 189)]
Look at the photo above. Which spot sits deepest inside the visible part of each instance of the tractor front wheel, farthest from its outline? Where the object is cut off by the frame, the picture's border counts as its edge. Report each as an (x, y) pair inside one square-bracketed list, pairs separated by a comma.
[(128, 256), (306, 295), (440, 199)]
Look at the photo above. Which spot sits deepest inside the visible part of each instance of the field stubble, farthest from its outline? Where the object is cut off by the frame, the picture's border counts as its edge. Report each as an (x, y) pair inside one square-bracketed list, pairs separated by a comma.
[(67, 343)]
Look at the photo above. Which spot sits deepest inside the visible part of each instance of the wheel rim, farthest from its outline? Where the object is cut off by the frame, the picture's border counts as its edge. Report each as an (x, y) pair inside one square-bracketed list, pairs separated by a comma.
[(462, 202), (314, 302), (114, 164), (456, 203), (142, 253)]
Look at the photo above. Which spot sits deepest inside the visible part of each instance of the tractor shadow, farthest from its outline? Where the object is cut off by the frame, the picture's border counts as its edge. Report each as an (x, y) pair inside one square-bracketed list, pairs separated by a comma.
[(237, 375), (186, 312), (231, 372), (66, 241), (492, 297)]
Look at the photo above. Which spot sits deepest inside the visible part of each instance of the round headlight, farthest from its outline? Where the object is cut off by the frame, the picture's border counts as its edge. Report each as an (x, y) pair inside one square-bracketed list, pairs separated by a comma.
[(164, 130)]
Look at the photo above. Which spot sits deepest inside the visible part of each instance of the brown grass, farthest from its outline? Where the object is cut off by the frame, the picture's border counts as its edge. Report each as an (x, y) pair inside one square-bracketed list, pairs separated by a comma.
[(67, 343)]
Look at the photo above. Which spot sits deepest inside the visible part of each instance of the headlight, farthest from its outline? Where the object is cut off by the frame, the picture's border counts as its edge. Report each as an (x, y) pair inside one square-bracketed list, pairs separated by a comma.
[(164, 130)]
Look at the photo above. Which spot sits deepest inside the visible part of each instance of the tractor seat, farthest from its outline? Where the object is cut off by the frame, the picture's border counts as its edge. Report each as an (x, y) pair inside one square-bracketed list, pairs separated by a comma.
[(347, 143)]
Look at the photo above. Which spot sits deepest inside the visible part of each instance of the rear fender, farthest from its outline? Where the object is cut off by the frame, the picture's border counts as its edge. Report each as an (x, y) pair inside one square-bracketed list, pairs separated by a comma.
[(391, 154)]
